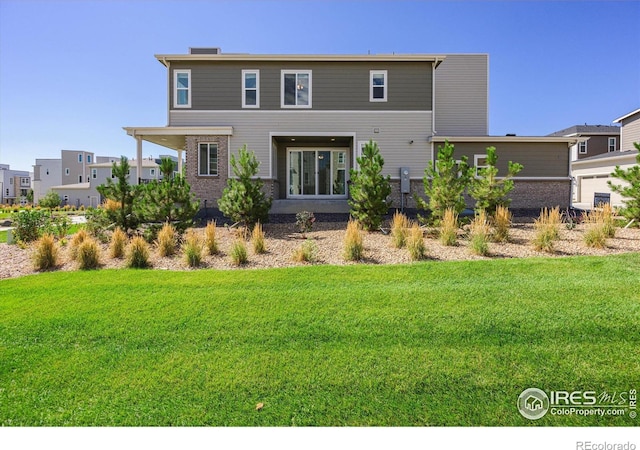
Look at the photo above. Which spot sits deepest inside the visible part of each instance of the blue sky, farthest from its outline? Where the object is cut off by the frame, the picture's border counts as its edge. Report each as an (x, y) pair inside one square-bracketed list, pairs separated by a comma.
[(73, 73)]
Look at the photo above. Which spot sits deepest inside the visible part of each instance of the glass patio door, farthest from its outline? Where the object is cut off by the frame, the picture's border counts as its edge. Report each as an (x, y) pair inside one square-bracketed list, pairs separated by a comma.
[(317, 173)]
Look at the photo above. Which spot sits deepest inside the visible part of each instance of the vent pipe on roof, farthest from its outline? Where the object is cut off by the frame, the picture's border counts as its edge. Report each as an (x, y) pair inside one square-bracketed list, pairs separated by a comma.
[(204, 50)]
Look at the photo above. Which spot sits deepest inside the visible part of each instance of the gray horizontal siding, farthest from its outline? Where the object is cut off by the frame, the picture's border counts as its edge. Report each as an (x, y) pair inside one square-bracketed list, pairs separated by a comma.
[(630, 132), (462, 97), (395, 131), (335, 86), (538, 159)]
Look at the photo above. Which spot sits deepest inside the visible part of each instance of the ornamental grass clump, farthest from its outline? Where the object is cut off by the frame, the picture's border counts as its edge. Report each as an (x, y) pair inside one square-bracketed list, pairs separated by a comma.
[(138, 253), (479, 235), (307, 252), (238, 252), (449, 228), (78, 238), (597, 228), (210, 239), (257, 239), (88, 256), (604, 215), (353, 242), (399, 229), (547, 230), (118, 243), (415, 243), (193, 248), (167, 242), (45, 256), (501, 224)]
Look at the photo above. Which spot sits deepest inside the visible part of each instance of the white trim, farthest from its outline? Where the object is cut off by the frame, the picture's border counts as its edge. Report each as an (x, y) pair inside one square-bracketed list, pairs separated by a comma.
[(189, 88), (620, 119), (245, 72), (385, 85), (598, 161), (296, 72), (330, 150), (475, 163), (582, 148), (166, 58), (208, 174), (178, 130), (615, 144), (310, 111)]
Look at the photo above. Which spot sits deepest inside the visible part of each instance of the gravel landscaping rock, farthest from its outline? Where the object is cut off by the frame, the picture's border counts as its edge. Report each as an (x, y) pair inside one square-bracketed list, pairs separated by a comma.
[(283, 238)]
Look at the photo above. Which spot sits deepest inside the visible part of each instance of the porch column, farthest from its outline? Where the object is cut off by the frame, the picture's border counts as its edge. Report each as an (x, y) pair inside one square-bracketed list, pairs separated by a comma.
[(180, 161), (139, 158)]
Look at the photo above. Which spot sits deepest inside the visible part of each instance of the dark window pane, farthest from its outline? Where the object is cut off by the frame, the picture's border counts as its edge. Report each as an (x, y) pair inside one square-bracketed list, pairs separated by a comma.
[(290, 89)]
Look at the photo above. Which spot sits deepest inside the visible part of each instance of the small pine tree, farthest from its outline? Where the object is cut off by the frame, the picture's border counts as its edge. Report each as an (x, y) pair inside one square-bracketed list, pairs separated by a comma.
[(121, 192), (369, 188), (243, 199), (487, 190), (630, 191), (444, 184)]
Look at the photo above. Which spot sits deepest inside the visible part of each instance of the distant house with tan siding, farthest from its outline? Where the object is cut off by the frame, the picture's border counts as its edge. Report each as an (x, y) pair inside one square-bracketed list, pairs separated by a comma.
[(307, 117)]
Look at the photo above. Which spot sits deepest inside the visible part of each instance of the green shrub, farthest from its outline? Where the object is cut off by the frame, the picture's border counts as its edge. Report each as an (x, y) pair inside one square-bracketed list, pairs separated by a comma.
[(50, 200), (304, 221), (257, 239), (415, 243), (118, 243), (307, 252), (449, 228), (192, 249), (138, 253), (353, 242), (88, 256), (210, 240), (167, 240), (45, 256), (29, 225), (238, 252)]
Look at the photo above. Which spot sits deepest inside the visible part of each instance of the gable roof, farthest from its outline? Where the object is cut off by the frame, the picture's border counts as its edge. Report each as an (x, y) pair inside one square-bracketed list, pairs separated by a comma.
[(620, 119), (578, 130)]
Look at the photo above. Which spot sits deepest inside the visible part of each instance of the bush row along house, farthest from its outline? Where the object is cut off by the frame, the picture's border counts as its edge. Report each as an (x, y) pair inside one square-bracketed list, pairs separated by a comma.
[(76, 175), (307, 117)]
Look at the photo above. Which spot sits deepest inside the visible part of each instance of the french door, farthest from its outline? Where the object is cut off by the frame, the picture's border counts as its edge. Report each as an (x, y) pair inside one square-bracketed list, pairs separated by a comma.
[(317, 173)]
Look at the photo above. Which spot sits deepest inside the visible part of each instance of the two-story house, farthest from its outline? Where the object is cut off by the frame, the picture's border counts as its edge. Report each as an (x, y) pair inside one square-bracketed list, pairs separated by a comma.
[(306, 117), (592, 174), (14, 185), (602, 139)]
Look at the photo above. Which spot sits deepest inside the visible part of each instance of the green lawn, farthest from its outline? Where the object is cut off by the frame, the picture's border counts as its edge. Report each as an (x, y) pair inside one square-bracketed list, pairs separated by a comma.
[(434, 343)]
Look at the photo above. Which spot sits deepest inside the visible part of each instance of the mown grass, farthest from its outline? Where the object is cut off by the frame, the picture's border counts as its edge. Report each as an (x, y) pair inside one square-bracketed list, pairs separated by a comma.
[(430, 343)]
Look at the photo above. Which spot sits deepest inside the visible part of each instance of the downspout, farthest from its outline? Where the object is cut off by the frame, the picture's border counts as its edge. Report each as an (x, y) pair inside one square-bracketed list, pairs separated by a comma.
[(434, 64), (168, 66)]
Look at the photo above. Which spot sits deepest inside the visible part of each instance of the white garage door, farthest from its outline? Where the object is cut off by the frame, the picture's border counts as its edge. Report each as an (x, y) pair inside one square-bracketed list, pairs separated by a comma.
[(590, 185)]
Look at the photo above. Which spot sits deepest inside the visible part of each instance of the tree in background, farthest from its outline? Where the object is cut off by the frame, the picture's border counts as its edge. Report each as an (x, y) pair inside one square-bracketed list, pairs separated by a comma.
[(369, 188), (121, 192), (487, 190), (51, 200), (444, 184), (631, 191), (167, 200), (243, 200)]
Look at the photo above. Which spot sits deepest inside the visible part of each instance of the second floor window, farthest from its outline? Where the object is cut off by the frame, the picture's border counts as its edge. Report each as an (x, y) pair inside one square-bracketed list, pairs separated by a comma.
[(207, 159), (79, 157), (612, 144), (182, 89), (250, 89), (94, 173), (296, 89), (582, 147), (378, 86)]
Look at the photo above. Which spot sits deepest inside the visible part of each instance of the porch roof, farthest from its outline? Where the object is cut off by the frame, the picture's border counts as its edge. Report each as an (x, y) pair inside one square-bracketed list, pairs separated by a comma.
[(174, 137)]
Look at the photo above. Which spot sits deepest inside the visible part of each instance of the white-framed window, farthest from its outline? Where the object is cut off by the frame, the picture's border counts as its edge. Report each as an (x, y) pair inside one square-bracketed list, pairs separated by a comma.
[(582, 148), (182, 88), (251, 89), (152, 172), (479, 162), (66, 171), (88, 159), (79, 157), (378, 86), (94, 173), (207, 159), (295, 89), (612, 144), (25, 181)]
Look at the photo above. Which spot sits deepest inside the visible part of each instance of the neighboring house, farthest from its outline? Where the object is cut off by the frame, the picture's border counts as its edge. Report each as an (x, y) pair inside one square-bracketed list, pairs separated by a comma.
[(46, 174), (306, 117), (14, 185), (592, 174), (602, 139), (87, 194), (71, 168)]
